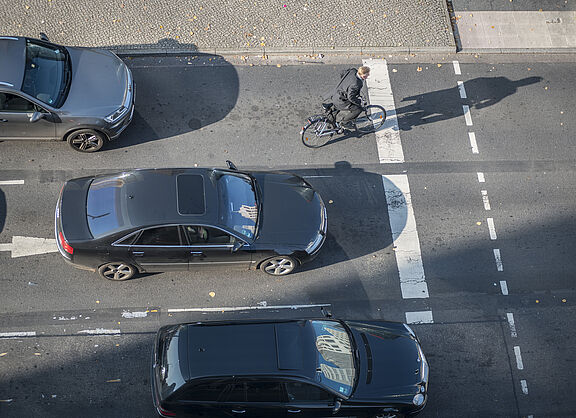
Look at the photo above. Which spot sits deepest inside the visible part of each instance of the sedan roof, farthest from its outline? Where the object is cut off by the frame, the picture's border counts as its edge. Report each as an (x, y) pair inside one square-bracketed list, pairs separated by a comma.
[(12, 60)]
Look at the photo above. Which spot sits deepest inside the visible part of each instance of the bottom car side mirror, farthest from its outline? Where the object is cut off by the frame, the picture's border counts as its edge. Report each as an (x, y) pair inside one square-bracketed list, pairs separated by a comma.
[(237, 245), (337, 405)]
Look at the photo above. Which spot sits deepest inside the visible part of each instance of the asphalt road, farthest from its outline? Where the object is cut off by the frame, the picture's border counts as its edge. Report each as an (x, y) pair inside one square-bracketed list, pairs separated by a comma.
[(205, 110)]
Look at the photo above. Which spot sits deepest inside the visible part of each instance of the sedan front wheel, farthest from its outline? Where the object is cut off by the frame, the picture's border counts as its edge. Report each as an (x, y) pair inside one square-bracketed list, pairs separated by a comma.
[(279, 266), (117, 271)]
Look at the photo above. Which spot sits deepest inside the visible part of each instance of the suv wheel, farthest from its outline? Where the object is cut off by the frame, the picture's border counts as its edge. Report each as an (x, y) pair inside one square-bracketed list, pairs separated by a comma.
[(86, 140)]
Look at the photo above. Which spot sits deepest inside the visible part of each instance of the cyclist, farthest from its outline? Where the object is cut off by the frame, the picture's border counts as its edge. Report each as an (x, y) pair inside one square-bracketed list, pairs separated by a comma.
[(346, 95)]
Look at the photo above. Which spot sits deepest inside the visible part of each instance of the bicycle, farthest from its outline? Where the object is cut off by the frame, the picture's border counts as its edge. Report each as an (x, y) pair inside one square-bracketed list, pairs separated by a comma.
[(319, 129)]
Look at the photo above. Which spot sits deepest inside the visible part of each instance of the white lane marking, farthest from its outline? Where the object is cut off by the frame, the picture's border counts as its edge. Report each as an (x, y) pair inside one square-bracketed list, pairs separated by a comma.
[(481, 178), (100, 331), (485, 199), (504, 287), (422, 317), (128, 314), (524, 386), (405, 236), (467, 116), (380, 93), (473, 143), (17, 334), (491, 228), (462, 90), (26, 246), (456, 67), (512, 325), (519, 363), (498, 259), (246, 308), (10, 182)]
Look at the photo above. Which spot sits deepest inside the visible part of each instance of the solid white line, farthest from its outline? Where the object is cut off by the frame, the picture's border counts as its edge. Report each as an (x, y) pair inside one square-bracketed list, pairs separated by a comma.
[(524, 386), (456, 67), (380, 93), (405, 236), (100, 331), (512, 325), (467, 116), (17, 334), (473, 144), (10, 182), (498, 259), (423, 317), (504, 287), (481, 178), (246, 308), (485, 199), (462, 90), (491, 228), (519, 363)]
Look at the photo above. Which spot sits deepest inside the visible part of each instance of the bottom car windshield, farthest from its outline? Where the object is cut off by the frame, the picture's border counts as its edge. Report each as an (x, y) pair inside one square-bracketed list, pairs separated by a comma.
[(335, 358), (238, 207)]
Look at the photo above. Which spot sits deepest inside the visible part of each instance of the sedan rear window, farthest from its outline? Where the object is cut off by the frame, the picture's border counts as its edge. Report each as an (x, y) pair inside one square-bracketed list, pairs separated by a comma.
[(48, 72), (105, 207)]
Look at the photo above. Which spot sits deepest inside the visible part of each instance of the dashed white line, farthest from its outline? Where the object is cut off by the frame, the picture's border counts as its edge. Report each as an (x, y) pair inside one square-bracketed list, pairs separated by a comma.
[(481, 178), (462, 90), (524, 386), (17, 334), (504, 287), (498, 259), (246, 308), (519, 363), (128, 314), (100, 331), (512, 325), (485, 199), (422, 317), (491, 228), (10, 182), (467, 116), (473, 143), (456, 67)]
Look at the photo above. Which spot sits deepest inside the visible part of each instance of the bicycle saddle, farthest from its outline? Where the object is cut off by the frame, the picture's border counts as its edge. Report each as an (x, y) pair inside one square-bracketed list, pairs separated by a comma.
[(327, 106)]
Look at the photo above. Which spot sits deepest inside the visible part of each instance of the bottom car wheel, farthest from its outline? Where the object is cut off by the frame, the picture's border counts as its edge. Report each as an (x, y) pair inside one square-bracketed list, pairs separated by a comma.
[(86, 140), (117, 271), (278, 266)]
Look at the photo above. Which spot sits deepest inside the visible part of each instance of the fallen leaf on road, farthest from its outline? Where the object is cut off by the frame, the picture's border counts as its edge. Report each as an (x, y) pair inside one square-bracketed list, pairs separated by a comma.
[(3, 354), (478, 223), (419, 69), (113, 381), (212, 294)]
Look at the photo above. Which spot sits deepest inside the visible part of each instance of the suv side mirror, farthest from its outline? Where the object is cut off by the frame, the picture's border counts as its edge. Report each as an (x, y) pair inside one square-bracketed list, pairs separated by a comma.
[(237, 245), (231, 165), (44, 37), (337, 405), (36, 116)]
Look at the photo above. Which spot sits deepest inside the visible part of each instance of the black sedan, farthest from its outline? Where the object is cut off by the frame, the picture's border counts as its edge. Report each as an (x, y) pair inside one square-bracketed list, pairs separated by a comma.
[(158, 220), (295, 368)]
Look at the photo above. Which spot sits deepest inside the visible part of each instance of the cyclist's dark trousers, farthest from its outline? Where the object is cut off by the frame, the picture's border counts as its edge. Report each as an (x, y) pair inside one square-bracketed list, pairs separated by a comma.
[(349, 114)]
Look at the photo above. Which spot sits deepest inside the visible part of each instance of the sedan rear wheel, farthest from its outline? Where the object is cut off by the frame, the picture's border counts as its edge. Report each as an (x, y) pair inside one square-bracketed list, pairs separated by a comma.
[(86, 140), (278, 266), (117, 271)]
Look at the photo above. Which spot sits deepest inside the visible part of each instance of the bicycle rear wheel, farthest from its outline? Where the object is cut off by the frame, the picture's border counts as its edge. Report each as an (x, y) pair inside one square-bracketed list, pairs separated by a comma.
[(317, 132), (371, 119)]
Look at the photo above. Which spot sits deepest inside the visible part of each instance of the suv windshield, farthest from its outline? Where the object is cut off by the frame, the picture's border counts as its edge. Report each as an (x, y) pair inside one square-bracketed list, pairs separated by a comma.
[(335, 358), (238, 205), (47, 74)]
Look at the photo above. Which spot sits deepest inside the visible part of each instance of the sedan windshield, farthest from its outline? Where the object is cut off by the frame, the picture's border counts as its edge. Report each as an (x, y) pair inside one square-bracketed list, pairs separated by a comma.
[(335, 358), (238, 203), (47, 74)]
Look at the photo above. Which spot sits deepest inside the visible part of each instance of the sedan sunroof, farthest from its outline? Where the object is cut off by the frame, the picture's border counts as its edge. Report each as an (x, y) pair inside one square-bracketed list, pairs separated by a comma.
[(190, 194)]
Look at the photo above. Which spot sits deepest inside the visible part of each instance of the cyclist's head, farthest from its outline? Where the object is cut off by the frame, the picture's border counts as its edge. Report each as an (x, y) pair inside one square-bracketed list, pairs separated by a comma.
[(364, 72)]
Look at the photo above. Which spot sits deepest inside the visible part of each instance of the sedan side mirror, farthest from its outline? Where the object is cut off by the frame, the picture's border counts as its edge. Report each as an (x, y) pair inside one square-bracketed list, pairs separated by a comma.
[(337, 405), (231, 165), (36, 116), (44, 37)]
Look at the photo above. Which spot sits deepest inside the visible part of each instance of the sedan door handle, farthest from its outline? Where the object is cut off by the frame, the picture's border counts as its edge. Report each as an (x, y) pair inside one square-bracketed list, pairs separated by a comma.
[(3, 120), (138, 253), (236, 411), (196, 253), (294, 411)]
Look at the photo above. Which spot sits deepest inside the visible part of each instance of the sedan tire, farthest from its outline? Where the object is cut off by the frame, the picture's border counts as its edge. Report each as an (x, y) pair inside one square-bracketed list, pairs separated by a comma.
[(279, 266), (117, 271), (86, 140)]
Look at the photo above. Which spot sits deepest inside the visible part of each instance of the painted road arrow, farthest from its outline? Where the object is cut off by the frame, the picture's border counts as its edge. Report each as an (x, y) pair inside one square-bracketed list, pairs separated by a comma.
[(25, 246)]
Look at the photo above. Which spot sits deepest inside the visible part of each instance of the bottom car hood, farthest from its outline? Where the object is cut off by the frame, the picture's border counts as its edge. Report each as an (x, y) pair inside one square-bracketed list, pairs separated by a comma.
[(291, 210), (390, 363)]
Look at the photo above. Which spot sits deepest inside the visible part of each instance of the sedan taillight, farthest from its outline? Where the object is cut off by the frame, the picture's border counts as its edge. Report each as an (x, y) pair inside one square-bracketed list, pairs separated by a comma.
[(67, 247)]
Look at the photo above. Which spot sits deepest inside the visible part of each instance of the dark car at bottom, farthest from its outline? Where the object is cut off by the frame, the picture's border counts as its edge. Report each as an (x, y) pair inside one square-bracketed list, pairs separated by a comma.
[(293, 368), (157, 220)]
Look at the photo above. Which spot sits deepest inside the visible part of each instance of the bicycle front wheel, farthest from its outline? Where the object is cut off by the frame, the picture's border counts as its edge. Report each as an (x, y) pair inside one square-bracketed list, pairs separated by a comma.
[(317, 132), (371, 119)]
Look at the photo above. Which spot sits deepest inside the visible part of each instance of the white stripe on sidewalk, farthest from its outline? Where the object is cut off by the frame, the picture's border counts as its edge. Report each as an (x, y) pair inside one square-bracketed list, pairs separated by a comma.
[(17, 334), (405, 237), (423, 317), (473, 143), (456, 67), (491, 228), (467, 116), (512, 325), (485, 199), (524, 387), (498, 259), (504, 287), (10, 182), (481, 178), (462, 90), (380, 93), (100, 331), (519, 363)]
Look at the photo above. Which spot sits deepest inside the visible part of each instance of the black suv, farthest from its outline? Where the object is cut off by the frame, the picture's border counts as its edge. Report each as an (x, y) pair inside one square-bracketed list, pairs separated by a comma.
[(296, 368)]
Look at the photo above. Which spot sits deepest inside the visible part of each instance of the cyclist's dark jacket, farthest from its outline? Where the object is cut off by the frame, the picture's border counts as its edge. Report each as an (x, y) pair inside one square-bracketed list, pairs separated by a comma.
[(347, 93)]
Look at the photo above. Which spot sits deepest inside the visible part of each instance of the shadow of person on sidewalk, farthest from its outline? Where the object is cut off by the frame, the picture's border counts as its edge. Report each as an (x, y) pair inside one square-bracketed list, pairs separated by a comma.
[(438, 105)]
